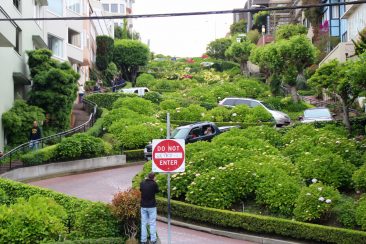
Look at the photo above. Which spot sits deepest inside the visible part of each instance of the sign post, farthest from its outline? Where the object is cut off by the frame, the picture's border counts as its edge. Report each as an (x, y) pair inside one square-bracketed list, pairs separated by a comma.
[(168, 156)]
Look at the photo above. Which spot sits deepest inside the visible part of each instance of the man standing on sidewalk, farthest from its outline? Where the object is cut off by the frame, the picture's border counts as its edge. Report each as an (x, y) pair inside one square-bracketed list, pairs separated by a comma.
[(148, 190), (34, 135)]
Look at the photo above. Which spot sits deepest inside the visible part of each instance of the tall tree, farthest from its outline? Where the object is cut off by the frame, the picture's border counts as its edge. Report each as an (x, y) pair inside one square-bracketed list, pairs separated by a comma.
[(54, 87), (217, 48), (129, 55), (240, 52), (345, 81), (104, 52), (238, 27), (286, 60)]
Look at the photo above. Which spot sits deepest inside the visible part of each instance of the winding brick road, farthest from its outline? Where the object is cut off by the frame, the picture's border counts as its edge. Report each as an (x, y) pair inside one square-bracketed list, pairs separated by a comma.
[(101, 185)]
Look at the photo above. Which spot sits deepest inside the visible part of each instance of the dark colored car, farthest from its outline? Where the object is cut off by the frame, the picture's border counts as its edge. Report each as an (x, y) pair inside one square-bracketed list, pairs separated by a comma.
[(200, 131)]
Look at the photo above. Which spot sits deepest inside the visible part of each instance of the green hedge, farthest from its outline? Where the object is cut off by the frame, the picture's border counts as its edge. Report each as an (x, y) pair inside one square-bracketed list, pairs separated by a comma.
[(41, 156), (137, 154), (219, 124), (97, 129), (72, 205), (93, 241), (261, 224), (106, 100)]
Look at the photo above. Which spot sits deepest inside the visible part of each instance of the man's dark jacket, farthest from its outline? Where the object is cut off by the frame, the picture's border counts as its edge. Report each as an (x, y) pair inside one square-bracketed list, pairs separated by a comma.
[(35, 133), (148, 190)]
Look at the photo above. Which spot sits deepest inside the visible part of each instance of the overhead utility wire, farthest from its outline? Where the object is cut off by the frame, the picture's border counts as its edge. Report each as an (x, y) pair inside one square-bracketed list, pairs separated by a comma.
[(187, 13)]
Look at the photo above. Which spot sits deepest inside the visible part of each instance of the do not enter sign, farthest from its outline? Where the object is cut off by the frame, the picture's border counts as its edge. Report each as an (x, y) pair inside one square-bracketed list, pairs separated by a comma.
[(168, 155)]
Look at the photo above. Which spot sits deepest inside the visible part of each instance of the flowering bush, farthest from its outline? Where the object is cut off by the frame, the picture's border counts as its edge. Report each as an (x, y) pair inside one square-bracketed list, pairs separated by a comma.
[(242, 113), (345, 211), (266, 133), (277, 190), (222, 187), (154, 97), (326, 166), (315, 201)]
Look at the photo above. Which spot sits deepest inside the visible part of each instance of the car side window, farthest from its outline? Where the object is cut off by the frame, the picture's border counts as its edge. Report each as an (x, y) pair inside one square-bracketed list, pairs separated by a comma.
[(208, 130), (229, 102), (242, 102), (195, 132), (146, 90), (136, 91), (254, 104)]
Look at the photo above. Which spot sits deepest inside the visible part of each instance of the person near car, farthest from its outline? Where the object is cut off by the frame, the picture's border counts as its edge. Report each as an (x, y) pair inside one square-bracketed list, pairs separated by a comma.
[(208, 131), (148, 189), (35, 134)]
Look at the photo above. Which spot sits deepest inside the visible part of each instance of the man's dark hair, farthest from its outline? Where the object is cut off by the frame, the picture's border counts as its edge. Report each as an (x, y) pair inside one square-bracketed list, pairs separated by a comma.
[(151, 175)]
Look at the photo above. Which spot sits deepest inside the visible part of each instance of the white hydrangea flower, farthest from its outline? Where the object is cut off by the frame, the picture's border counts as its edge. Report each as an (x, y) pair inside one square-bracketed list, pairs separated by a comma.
[(174, 188), (314, 180), (308, 194), (328, 201), (212, 178), (234, 114), (338, 142), (320, 188), (321, 199), (197, 175)]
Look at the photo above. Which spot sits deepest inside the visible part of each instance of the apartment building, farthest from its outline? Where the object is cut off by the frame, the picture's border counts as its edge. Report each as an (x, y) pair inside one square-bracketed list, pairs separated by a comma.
[(119, 7), (17, 37)]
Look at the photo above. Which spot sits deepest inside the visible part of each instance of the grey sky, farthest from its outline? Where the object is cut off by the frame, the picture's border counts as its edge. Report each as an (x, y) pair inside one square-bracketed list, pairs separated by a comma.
[(183, 36)]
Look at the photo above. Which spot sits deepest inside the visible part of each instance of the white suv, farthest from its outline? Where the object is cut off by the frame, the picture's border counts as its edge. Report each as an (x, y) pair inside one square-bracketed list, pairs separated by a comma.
[(280, 118)]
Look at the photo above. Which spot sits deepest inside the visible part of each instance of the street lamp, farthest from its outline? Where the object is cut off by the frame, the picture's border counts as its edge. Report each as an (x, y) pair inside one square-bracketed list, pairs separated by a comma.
[(263, 31)]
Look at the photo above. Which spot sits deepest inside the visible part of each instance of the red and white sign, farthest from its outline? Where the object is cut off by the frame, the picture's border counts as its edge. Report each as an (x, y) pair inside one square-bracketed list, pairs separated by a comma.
[(168, 155)]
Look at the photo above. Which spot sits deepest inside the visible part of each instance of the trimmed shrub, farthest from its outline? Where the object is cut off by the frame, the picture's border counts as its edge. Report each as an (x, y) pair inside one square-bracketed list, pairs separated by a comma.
[(3, 197), (136, 104), (222, 187), (97, 129), (41, 156), (72, 205), (169, 104), (361, 212), (277, 190), (359, 178), (193, 112), (345, 211), (315, 201), (136, 136), (145, 80), (262, 224), (325, 166), (80, 146), (154, 97), (31, 221), (111, 240), (137, 154), (106, 100), (96, 221)]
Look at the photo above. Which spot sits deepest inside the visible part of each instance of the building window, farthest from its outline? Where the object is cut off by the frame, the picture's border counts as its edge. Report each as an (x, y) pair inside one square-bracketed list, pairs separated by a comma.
[(106, 7), (74, 5), (114, 8), (38, 14), (74, 38), (122, 9), (55, 45), (55, 6), (18, 40), (17, 4), (335, 12)]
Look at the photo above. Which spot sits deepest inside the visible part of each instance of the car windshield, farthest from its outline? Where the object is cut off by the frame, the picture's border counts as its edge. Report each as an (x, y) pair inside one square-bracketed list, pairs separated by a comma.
[(180, 133), (268, 106), (317, 113)]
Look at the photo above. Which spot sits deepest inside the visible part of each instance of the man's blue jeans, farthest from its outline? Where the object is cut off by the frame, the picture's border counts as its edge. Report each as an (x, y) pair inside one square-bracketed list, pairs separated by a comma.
[(148, 216)]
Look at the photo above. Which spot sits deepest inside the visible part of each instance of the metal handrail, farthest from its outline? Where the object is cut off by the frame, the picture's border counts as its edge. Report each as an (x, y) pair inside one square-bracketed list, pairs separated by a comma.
[(23, 147)]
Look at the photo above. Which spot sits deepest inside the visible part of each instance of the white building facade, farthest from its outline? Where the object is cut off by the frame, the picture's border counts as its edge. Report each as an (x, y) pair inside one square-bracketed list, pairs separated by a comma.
[(119, 7), (16, 38)]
